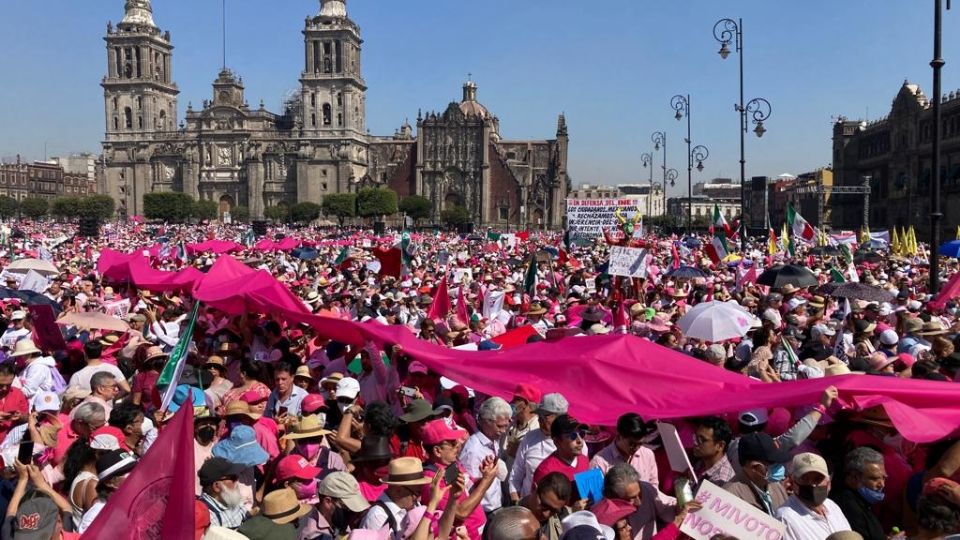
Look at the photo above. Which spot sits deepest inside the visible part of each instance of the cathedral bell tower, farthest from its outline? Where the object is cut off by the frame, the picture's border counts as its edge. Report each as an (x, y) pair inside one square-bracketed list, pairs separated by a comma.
[(139, 93)]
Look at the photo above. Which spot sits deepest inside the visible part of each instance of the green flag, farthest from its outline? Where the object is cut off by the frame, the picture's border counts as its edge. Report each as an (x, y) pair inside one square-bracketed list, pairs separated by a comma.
[(493, 236), (174, 367), (837, 276), (790, 354), (530, 276), (342, 257)]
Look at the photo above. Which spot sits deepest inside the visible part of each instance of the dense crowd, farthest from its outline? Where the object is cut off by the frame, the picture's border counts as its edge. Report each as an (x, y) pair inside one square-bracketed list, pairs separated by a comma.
[(300, 436)]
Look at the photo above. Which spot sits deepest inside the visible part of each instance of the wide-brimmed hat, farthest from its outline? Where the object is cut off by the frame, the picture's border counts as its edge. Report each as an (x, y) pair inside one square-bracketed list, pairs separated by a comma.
[(373, 448), (304, 371), (932, 328), (592, 314), (309, 426), (241, 447), (240, 408), (875, 415), (536, 308), (331, 379), (312, 297), (406, 471), (154, 352), (417, 411), (789, 288), (24, 347), (281, 506)]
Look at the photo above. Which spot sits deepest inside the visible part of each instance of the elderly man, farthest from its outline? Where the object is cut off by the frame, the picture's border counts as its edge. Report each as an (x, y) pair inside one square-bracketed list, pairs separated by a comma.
[(536, 446), (103, 388), (628, 447), (524, 402), (862, 490), (494, 420), (221, 495), (808, 513), (756, 482), (622, 487)]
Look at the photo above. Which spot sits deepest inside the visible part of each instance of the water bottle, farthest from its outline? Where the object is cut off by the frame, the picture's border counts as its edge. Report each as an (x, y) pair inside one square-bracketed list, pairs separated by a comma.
[(683, 490)]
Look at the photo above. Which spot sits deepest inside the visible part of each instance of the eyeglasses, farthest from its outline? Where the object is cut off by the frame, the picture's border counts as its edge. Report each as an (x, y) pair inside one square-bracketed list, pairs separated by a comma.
[(546, 507), (581, 434), (698, 440)]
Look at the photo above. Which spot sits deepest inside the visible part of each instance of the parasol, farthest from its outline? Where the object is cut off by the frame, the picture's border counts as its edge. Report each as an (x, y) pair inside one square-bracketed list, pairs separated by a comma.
[(94, 320), (781, 275)]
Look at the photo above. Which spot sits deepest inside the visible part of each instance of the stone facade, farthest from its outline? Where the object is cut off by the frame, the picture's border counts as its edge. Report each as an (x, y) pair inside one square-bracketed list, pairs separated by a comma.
[(233, 154), (45, 180)]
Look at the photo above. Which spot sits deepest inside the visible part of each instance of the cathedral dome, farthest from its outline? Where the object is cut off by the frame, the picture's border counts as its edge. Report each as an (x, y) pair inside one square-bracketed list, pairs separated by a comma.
[(470, 106), (139, 13)]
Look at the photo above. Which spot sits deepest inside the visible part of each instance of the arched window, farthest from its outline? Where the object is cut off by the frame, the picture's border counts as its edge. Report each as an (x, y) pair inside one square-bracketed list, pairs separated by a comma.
[(163, 119), (116, 124), (128, 117), (326, 114), (139, 122)]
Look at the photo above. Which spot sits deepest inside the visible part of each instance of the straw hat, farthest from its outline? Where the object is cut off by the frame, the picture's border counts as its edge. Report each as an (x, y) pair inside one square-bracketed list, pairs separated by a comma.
[(281, 506), (932, 328), (25, 347), (406, 471), (536, 308), (331, 380), (789, 288), (304, 371), (240, 408), (154, 352), (215, 361), (308, 427), (875, 415), (109, 340)]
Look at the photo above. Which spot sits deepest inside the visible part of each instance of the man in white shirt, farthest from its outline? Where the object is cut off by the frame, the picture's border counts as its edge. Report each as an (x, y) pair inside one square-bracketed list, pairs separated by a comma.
[(92, 350), (404, 487), (15, 332), (808, 513), (536, 446), (494, 420)]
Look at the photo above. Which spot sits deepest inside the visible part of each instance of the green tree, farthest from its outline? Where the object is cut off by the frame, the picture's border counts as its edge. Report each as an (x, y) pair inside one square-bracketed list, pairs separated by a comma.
[(98, 206), (168, 206), (8, 207), (240, 214), (33, 207), (341, 205), (205, 210), (375, 202), (278, 213), (416, 207), (305, 212), (455, 215), (65, 207)]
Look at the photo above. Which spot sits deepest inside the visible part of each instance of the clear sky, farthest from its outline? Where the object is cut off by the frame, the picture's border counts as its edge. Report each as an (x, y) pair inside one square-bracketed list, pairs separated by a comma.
[(610, 65)]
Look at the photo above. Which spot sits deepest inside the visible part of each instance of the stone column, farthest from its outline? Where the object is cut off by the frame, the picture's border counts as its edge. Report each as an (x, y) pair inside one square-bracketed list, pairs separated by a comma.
[(111, 62), (485, 186), (167, 69), (308, 57), (255, 176)]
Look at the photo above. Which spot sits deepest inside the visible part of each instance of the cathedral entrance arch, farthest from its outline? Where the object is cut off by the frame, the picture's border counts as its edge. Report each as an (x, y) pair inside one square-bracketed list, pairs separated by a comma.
[(226, 204), (451, 201)]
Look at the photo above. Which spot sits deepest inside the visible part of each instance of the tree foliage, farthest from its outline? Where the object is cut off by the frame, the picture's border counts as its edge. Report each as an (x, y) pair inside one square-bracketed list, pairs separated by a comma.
[(240, 214), (455, 216), (34, 207), (375, 202), (8, 207), (168, 206), (205, 210), (279, 213), (416, 207), (65, 207), (341, 205), (305, 212), (98, 206)]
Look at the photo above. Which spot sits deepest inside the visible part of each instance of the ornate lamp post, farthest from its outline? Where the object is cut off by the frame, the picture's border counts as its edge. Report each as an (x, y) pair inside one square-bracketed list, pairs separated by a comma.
[(647, 160), (659, 139), (670, 175), (681, 104)]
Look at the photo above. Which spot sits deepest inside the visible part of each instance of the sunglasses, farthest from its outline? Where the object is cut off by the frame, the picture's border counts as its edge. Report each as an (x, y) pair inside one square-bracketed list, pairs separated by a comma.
[(581, 434)]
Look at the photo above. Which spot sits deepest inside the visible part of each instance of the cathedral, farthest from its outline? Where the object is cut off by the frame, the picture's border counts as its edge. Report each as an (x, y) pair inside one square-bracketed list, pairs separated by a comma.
[(227, 152)]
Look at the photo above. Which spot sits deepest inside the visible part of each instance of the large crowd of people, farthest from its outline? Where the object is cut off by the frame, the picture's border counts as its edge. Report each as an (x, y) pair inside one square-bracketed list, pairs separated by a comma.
[(300, 436)]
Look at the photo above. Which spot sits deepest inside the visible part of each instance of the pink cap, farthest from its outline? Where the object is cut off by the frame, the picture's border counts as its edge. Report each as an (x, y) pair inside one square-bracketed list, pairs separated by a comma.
[(312, 403), (254, 396), (437, 431), (417, 367), (528, 392), (907, 359), (298, 467)]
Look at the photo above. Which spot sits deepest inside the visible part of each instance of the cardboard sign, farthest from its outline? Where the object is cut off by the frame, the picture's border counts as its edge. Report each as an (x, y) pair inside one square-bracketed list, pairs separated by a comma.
[(587, 218), (679, 461), (725, 513), (46, 332), (628, 261)]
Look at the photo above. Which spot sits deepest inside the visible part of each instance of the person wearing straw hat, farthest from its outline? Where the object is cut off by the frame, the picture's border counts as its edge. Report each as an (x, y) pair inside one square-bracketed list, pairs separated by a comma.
[(303, 378), (308, 439), (40, 373), (278, 519), (404, 483), (535, 317), (219, 384)]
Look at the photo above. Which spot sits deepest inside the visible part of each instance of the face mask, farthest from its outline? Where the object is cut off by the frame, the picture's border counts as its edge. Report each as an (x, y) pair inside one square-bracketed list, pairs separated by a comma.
[(814, 495), (309, 450), (231, 498), (306, 491), (205, 434), (872, 496), (776, 472)]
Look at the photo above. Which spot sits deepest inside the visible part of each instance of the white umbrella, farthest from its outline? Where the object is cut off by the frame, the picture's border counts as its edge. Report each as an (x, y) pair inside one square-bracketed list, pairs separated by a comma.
[(716, 321), (37, 265)]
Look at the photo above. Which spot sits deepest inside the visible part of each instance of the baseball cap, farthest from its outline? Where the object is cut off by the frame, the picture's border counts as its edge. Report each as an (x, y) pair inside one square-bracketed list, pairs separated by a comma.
[(553, 403), (417, 367), (216, 468), (565, 424), (822, 330), (18, 315), (114, 463), (36, 517), (754, 417), (342, 485), (528, 393), (794, 303), (808, 462), (312, 403), (436, 431), (108, 438), (46, 402), (298, 467), (889, 337), (348, 387), (760, 447)]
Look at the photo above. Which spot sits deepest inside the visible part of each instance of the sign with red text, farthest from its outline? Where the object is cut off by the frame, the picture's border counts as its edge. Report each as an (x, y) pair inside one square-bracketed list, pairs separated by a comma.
[(588, 218), (725, 513)]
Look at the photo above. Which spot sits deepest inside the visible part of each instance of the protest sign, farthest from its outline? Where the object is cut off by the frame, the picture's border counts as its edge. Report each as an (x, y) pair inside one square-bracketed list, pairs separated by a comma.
[(34, 281), (463, 275), (587, 218), (628, 261), (726, 514), (46, 333), (679, 461)]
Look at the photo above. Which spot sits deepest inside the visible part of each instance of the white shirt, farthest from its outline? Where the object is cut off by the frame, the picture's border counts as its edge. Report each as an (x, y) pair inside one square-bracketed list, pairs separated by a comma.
[(533, 449), (90, 515), (805, 524), (376, 518), (82, 378), (12, 335), (36, 376), (475, 450)]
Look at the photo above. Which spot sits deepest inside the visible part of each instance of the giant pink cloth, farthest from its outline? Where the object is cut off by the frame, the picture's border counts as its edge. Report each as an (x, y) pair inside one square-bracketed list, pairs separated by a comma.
[(258, 292), (217, 247)]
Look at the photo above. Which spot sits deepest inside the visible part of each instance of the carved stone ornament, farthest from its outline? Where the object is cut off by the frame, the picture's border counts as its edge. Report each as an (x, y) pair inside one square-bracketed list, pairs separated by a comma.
[(223, 156)]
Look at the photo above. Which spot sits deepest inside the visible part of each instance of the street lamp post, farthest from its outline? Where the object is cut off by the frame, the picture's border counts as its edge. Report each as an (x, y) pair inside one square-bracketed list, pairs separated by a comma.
[(647, 160), (681, 104), (726, 31), (659, 139), (935, 214), (670, 175)]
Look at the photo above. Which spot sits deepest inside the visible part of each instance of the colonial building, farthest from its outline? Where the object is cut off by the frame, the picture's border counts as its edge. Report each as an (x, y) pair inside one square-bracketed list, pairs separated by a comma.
[(893, 156), (228, 152), (41, 179)]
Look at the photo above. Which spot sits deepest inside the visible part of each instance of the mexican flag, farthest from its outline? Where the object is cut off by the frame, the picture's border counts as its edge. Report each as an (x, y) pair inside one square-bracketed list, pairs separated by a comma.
[(718, 222), (170, 375), (343, 259), (530, 276), (716, 249), (798, 225)]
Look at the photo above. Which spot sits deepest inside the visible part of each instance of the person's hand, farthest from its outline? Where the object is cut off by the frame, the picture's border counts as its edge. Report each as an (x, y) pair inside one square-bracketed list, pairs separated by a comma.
[(437, 493), (488, 468), (461, 532), (580, 505), (23, 473), (36, 477), (682, 512), (459, 487), (397, 349), (32, 420), (951, 493), (829, 395)]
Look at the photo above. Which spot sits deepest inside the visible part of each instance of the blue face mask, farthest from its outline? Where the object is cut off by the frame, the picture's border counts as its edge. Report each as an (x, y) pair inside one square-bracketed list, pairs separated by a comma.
[(872, 496), (776, 472)]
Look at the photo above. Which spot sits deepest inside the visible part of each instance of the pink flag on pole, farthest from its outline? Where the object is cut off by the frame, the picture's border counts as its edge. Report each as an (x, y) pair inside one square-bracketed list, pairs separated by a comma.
[(462, 312), (441, 302), (156, 501)]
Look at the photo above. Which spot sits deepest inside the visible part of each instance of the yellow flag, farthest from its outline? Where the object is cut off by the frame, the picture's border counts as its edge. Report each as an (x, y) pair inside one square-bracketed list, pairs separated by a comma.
[(958, 232), (895, 242), (913, 241)]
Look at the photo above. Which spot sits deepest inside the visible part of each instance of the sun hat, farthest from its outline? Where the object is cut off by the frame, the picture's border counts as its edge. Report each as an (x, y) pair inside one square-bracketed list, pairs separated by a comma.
[(437, 431), (114, 463), (658, 324), (331, 379), (592, 314), (808, 462), (217, 362), (932, 328), (878, 361), (154, 352), (536, 308), (296, 467), (281, 506), (73, 393), (348, 387), (23, 348), (598, 330), (185, 393), (343, 486), (308, 427), (417, 411), (304, 371), (240, 408), (582, 518), (373, 448), (19, 314), (406, 471), (553, 403), (241, 447), (46, 402), (217, 468)]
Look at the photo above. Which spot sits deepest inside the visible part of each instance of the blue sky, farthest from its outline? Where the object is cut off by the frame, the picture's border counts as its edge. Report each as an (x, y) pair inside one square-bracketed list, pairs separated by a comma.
[(611, 66)]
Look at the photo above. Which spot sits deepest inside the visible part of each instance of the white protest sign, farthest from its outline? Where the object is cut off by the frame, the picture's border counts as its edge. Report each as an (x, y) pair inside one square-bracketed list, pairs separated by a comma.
[(118, 309), (725, 513), (587, 218), (460, 273), (679, 461), (34, 281), (366, 243), (628, 261)]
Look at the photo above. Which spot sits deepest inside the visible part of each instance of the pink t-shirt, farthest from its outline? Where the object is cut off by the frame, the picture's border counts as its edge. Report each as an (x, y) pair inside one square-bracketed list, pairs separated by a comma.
[(474, 522), (553, 463)]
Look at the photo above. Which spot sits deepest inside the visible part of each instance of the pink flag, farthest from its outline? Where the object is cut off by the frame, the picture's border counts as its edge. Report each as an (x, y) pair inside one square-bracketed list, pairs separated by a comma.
[(156, 501), (462, 312), (620, 317), (441, 302)]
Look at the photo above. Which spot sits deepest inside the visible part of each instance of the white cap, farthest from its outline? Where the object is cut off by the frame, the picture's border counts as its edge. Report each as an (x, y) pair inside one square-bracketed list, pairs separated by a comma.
[(348, 387), (794, 303), (18, 315), (886, 309), (583, 517), (889, 337), (46, 402), (822, 330)]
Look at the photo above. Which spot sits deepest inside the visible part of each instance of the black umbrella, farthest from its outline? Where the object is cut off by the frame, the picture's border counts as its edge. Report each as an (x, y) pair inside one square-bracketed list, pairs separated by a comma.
[(862, 291), (825, 251), (781, 275), (29, 298), (866, 256), (686, 272), (305, 253)]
